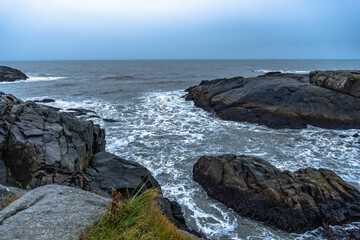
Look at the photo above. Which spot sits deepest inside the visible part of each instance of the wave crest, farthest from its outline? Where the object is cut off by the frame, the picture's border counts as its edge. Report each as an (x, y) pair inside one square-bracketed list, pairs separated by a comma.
[(282, 71)]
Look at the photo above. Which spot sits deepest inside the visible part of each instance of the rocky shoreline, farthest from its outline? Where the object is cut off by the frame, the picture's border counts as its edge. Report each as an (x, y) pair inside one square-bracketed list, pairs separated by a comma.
[(41, 146), (327, 99), (57, 161)]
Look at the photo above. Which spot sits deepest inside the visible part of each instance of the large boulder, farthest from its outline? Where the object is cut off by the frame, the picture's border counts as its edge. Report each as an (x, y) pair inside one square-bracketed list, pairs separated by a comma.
[(40, 145), (347, 82), (8, 74), (108, 171), (293, 201), (277, 100), (51, 212)]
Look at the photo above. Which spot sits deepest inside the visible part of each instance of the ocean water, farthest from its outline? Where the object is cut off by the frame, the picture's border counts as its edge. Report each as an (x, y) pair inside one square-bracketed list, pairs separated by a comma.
[(159, 129)]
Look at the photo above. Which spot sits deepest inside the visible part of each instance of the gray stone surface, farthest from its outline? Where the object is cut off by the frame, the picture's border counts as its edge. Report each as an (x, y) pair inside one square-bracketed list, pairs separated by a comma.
[(51, 212), (347, 82), (278, 101), (8, 74)]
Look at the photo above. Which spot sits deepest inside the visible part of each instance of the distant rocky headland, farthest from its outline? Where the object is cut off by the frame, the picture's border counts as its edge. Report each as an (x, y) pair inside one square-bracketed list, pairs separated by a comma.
[(8, 74), (327, 99)]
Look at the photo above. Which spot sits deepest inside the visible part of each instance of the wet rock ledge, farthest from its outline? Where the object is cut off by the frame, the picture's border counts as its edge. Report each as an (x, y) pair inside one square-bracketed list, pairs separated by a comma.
[(293, 201), (328, 99), (8, 74), (40, 146)]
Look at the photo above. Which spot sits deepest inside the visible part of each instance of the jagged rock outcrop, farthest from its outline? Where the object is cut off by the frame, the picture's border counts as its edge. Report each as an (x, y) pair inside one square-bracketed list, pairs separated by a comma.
[(293, 201), (51, 212), (42, 146), (8, 74), (347, 82), (279, 101)]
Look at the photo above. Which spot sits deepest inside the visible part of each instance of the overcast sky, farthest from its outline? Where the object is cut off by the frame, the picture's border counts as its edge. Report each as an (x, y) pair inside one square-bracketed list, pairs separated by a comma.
[(179, 29)]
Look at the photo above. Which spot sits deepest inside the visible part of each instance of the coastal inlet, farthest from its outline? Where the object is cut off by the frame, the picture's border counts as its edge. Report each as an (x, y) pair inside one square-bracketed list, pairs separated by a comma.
[(159, 129)]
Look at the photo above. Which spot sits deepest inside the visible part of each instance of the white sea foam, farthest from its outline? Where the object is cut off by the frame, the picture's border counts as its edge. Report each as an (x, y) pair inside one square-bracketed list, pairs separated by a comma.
[(282, 71), (167, 134), (34, 79)]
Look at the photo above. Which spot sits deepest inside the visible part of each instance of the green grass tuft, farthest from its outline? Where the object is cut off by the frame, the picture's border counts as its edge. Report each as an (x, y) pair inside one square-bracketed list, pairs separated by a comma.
[(138, 217)]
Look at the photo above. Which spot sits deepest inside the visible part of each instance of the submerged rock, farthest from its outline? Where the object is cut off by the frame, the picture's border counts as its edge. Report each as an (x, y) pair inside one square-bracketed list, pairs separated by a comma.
[(110, 120), (8, 74), (293, 201), (279, 101), (45, 100), (51, 212)]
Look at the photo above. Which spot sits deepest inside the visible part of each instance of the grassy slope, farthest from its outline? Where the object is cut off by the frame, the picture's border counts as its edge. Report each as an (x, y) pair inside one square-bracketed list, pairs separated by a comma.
[(135, 218)]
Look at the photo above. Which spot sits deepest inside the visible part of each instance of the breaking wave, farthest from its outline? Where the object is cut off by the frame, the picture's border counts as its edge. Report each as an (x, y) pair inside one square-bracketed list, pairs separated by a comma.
[(282, 71)]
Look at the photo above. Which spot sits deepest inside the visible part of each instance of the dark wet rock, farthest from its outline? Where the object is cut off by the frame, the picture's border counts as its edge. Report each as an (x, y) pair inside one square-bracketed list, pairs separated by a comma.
[(293, 201), (343, 136), (278, 101), (176, 216), (3, 172), (80, 111), (93, 116), (42, 146), (45, 100), (355, 135), (108, 171), (110, 120), (51, 212), (8, 74), (343, 233), (347, 82)]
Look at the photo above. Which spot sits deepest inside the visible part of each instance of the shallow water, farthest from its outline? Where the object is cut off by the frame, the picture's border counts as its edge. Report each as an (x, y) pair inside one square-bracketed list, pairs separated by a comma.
[(167, 134)]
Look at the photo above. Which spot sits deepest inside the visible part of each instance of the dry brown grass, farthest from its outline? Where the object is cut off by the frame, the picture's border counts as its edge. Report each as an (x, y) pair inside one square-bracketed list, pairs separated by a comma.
[(9, 200)]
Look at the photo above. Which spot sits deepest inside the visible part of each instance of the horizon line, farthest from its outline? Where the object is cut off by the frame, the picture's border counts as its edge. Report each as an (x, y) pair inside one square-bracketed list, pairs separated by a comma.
[(188, 59)]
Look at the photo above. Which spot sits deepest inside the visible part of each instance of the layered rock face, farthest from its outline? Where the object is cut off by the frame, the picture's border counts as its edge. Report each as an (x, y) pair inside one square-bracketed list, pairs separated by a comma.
[(51, 212), (280, 101), (8, 74), (293, 201), (347, 82), (42, 146)]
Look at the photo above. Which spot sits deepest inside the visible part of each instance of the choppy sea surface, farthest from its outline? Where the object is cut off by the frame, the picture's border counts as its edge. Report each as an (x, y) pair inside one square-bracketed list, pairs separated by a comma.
[(159, 129)]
